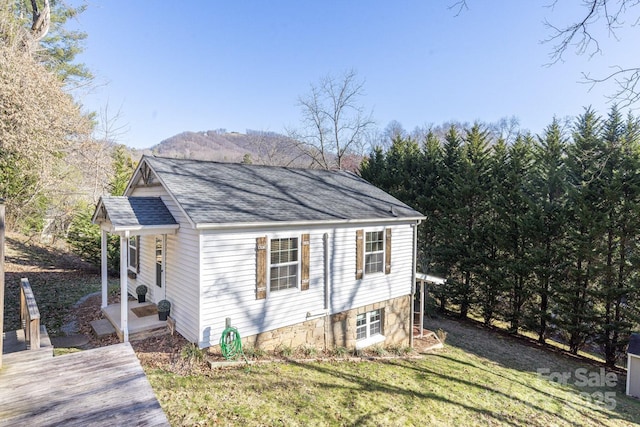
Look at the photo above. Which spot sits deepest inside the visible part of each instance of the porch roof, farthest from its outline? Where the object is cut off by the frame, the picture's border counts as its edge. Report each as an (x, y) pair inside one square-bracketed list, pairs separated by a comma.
[(140, 215)]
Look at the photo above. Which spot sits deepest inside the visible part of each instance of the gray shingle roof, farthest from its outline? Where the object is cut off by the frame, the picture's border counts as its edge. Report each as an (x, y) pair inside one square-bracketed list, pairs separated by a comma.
[(137, 211), (223, 193)]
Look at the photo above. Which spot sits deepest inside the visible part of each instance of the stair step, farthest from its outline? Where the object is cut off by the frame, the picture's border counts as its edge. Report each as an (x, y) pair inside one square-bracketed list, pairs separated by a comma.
[(102, 328)]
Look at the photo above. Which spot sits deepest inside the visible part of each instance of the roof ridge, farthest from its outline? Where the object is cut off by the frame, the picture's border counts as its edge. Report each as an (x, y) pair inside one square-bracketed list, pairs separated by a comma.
[(248, 165)]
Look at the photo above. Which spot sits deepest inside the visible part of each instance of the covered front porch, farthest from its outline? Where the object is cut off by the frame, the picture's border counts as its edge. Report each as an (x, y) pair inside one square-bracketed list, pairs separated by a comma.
[(142, 319), (131, 218)]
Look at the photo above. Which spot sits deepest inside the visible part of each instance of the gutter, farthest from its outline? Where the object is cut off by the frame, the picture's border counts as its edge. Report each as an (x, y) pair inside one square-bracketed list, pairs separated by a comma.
[(288, 224)]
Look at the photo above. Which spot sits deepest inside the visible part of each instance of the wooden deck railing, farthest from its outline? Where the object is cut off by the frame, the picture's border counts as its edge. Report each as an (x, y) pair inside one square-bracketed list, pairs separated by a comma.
[(29, 315)]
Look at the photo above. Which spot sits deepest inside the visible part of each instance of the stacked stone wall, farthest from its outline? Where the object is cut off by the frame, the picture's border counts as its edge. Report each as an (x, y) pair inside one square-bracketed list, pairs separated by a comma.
[(338, 330)]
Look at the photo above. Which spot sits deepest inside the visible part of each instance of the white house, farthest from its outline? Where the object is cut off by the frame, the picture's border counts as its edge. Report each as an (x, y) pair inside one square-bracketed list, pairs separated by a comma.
[(291, 256)]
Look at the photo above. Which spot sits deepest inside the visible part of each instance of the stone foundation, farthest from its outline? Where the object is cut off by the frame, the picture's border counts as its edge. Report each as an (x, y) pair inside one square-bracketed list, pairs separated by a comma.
[(339, 330)]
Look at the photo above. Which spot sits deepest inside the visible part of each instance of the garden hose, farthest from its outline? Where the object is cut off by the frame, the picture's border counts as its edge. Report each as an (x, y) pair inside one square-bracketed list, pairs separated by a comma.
[(231, 344)]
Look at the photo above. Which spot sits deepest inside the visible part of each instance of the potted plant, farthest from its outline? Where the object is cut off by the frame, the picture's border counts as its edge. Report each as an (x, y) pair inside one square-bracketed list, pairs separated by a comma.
[(164, 309), (141, 290)]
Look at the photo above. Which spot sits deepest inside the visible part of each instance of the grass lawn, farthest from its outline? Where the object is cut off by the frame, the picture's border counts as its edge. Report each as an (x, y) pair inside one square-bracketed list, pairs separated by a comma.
[(479, 378)]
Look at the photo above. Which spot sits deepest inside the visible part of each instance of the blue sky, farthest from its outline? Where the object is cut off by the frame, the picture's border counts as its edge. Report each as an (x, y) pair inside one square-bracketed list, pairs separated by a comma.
[(172, 66)]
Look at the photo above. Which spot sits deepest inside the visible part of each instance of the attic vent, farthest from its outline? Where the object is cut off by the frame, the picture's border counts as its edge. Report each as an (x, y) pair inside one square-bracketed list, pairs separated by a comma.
[(145, 172), (393, 211)]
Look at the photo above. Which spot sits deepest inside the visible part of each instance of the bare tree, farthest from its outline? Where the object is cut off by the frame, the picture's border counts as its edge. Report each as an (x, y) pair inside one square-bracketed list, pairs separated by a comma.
[(334, 123), (580, 35), (273, 149)]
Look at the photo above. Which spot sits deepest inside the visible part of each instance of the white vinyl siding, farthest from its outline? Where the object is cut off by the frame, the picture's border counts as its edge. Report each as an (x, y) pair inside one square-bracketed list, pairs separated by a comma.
[(229, 285), (229, 279), (372, 288), (182, 268)]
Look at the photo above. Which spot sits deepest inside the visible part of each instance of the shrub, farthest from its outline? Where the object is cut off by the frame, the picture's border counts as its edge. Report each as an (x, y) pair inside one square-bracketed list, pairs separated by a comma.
[(141, 290), (85, 239), (192, 353), (283, 350), (164, 305), (340, 351), (253, 352), (442, 335), (307, 350), (378, 350), (399, 350)]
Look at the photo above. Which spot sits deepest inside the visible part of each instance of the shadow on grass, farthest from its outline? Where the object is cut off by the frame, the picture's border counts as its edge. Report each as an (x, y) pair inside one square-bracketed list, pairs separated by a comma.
[(58, 280), (42, 257), (524, 355), (367, 384)]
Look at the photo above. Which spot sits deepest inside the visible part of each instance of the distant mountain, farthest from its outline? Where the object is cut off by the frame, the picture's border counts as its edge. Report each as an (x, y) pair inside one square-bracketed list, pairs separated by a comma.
[(258, 147)]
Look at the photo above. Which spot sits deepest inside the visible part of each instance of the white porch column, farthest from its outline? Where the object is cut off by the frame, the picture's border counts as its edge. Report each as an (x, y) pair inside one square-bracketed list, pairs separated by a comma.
[(422, 307), (124, 295), (103, 265)]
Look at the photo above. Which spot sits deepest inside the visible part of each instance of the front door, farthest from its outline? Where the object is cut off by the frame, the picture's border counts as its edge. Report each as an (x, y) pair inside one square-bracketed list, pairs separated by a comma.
[(160, 261)]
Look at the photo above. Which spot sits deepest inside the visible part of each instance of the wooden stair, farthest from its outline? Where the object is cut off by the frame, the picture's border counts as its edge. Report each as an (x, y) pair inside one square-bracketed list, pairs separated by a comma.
[(14, 347)]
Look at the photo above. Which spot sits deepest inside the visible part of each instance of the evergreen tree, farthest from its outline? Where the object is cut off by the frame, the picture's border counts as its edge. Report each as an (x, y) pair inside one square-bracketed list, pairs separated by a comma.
[(374, 169), (548, 214), (447, 225), (59, 48), (468, 195), (491, 286), (431, 165), (404, 170), (123, 167), (516, 232), (621, 193), (586, 161)]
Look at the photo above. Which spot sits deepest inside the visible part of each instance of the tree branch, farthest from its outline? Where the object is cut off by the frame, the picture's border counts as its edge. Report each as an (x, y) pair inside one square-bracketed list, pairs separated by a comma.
[(627, 81), (41, 20)]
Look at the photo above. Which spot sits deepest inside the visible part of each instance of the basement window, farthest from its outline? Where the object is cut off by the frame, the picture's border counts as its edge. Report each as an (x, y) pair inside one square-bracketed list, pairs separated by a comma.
[(369, 329)]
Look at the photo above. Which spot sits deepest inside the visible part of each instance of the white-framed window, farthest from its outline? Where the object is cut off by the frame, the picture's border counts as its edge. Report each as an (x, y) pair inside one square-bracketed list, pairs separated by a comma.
[(374, 252), (133, 253), (284, 264), (368, 325)]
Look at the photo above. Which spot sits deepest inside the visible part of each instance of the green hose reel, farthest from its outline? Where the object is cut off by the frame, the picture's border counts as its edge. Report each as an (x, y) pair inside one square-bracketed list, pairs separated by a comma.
[(230, 343)]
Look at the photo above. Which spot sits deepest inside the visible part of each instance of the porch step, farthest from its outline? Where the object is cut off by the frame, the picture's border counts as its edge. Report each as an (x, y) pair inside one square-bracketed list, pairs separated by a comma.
[(70, 341), (15, 347), (102, 328)]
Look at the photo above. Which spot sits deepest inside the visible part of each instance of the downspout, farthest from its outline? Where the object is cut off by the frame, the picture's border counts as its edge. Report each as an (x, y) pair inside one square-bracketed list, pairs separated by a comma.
[(327, 288), (326, 271), (413, 278)]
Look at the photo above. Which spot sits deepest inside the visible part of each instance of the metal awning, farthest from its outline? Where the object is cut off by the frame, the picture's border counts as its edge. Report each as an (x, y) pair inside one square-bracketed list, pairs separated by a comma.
[(423, 279)]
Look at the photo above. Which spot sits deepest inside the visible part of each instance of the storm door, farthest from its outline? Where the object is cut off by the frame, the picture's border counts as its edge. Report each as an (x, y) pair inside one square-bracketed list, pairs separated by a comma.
[(160, 261)]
